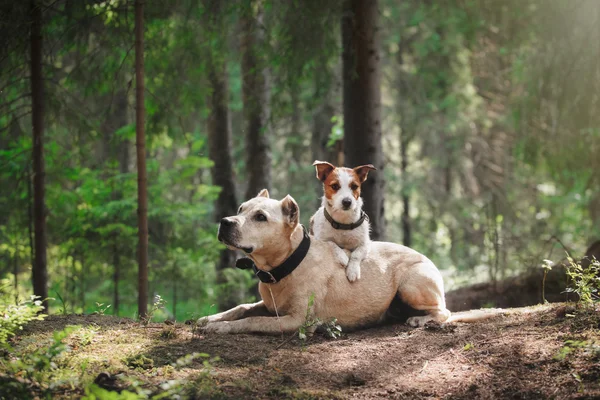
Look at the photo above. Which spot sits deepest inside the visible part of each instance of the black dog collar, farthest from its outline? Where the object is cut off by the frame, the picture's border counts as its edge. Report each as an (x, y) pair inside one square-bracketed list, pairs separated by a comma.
[(346, 227), (284, 269)]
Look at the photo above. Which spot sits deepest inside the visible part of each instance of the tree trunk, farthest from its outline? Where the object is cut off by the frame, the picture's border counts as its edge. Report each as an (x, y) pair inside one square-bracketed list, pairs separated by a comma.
[(82, 284), (405, 139), (175, 277), (141, 162), (406, 228), (16, 273), (362, 103), (116, 278), (39, 272), (322, 126), (219, 148), (255, 95)]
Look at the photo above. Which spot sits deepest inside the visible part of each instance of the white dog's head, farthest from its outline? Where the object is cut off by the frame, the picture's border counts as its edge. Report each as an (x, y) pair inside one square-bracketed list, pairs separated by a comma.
[(341, 185), (262, 227)]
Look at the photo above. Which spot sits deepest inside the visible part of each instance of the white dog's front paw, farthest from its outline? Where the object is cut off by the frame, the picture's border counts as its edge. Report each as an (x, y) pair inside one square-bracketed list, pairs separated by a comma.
[(353, 271), (216, 327)]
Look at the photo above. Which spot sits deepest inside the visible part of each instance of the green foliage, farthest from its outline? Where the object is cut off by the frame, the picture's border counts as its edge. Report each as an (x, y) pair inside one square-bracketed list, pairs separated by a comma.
[(14, 317), (139, 361), (585, 281), (35, 368), (588, 347), (330, 328)]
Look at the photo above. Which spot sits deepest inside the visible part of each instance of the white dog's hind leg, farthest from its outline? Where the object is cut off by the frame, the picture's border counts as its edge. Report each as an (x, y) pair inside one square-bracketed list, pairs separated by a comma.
[(437, 315), (353, 268)]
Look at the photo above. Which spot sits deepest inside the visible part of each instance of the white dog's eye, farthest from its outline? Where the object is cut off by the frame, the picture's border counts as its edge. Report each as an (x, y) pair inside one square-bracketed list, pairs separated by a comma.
[(240, 210), (260, 217), (335, 186)]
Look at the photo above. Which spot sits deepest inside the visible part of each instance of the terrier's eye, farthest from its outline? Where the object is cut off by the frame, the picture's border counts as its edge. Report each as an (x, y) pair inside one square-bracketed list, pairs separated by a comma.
[(335, 186), (240, 210), (354, 186), (260, 217)]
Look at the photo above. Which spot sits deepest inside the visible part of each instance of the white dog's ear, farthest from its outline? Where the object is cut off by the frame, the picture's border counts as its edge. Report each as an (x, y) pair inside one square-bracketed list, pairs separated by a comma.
[(290, 210), (263, 193), (323, 169), (363, 170)]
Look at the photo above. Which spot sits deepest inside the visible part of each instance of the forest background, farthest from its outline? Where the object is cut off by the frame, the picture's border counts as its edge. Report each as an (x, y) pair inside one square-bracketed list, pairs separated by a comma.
[(480, 115)]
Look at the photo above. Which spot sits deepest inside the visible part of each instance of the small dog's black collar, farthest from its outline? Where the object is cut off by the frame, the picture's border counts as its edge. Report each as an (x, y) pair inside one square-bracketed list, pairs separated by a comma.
[(346, 227), (284, 269)]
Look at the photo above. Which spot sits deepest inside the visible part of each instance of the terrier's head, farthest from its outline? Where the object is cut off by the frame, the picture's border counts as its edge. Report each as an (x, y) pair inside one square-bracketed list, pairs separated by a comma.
[(342, 185)]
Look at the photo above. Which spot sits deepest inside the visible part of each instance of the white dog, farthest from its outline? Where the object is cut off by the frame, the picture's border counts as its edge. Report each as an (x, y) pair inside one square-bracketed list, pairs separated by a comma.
[(293, 266), (341, 218)]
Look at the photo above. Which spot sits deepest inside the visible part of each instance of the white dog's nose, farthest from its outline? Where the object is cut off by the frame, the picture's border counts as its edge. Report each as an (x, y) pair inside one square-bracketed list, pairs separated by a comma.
[(227, 222)]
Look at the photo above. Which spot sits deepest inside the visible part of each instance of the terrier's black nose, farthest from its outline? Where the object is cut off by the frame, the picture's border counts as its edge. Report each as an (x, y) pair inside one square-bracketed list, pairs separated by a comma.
[(346, 203)]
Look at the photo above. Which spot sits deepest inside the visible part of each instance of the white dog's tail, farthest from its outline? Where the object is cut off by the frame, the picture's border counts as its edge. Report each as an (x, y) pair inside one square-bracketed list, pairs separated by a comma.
[(476, 315)]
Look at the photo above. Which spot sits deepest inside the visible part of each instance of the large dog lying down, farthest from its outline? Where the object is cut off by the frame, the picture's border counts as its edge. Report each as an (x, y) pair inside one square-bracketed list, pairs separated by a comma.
[(269, 232)]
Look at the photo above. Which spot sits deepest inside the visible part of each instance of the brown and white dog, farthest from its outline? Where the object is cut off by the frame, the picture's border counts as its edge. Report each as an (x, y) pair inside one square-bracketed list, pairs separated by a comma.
[(340, 219), (268, 231)]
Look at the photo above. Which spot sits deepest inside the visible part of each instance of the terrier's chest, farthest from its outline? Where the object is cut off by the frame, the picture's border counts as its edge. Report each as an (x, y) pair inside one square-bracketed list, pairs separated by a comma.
[(346, 239)]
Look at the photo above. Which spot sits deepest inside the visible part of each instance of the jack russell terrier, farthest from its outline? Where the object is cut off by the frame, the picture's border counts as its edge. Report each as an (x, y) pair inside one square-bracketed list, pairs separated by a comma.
[(341, 219)]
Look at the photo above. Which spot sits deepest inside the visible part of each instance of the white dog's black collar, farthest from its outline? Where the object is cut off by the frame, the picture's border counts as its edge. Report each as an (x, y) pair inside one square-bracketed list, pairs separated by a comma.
[(284, 269), (346, 227)]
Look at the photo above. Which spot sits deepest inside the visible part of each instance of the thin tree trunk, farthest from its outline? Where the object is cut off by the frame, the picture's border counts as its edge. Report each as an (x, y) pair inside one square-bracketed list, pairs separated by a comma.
[(116, 278), (82, 285), (16, 274), (175, 277), (219, 147), (39, 272), (141, 162), (219, 144), (406, 227), (404, 142), (362, 103), (255, 94), (322, 126)]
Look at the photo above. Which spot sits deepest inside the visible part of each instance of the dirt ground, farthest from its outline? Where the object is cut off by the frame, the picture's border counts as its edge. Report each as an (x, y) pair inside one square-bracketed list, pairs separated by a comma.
[(540, 352)]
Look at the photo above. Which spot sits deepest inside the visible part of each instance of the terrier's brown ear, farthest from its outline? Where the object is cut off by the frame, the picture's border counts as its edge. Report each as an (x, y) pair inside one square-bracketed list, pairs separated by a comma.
[(290, 210), (323, 169), (363, 170), (263, 193)]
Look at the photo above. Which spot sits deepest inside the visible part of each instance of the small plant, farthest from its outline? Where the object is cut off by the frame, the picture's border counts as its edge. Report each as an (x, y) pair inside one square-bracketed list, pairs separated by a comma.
[(169, 332), (157, 304), (63, 304), (547, 267), (101, 309), (13, 317), (311, 323), (84, 336), (139, 361), (585, 281), (331, 329)]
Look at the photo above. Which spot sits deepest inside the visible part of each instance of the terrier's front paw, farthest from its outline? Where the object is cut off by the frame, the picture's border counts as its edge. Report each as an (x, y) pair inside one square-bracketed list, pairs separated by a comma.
[(341, 256), (353, 271)]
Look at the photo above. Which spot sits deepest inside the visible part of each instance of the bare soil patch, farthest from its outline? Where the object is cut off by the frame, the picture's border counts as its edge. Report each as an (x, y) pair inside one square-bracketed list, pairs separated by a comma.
[(536, 352)]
